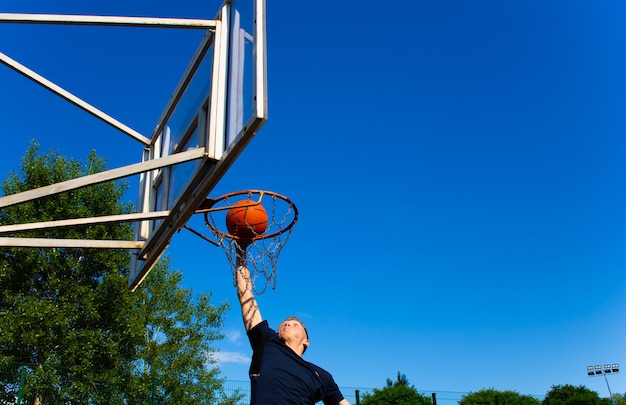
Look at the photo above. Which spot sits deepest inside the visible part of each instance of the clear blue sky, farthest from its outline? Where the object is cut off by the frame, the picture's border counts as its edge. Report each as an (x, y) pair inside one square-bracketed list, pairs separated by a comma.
[(459, 169)]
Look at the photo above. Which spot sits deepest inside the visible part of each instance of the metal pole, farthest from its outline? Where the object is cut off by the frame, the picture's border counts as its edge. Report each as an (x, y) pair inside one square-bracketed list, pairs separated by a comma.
[(22, 381), (613, 400)]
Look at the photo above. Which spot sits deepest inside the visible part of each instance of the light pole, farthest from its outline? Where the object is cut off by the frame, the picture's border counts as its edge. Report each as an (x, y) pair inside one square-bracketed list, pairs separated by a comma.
[(598, 370)]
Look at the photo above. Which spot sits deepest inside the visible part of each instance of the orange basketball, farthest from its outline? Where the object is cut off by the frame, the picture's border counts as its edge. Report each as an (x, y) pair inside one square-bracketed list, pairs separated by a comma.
[(246, 222)]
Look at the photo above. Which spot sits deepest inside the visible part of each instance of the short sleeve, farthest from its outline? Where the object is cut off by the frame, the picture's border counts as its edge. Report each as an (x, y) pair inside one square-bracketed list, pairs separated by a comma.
[(332, 393), (258, 337)]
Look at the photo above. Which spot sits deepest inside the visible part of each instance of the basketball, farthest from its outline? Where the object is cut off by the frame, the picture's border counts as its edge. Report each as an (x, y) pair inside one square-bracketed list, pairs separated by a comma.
[(248, 221)]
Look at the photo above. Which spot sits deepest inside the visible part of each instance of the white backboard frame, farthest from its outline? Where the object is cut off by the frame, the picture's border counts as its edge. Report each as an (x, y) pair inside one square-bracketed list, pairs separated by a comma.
[(222, 125)]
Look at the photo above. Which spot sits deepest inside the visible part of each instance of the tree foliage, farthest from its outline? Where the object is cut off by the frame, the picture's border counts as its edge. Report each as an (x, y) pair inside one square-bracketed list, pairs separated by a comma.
[(57, 307), (620, 398), (399, 392), (176, 352), (68, 316), (573, 395), (494, 397)]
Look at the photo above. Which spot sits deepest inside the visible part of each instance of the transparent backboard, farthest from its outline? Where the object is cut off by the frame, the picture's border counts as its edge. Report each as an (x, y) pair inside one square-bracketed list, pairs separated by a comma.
[(218, 106)]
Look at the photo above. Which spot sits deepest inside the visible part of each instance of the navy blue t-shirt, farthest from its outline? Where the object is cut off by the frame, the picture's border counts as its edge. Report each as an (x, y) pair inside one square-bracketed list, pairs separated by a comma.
[(279, 376)]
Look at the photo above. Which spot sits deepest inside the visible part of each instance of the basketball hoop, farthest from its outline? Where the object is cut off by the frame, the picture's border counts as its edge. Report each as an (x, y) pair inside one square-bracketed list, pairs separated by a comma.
[(245, 242)]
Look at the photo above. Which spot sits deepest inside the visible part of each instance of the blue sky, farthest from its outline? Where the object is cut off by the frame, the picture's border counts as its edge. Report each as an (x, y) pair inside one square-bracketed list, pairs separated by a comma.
[(458, 167)]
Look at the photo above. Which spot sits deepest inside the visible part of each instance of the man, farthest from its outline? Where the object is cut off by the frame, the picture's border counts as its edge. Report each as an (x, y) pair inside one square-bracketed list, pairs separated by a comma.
[(278, 373)]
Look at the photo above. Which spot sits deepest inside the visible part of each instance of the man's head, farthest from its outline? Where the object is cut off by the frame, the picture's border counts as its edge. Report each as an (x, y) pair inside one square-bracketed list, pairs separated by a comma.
[(293, 332)]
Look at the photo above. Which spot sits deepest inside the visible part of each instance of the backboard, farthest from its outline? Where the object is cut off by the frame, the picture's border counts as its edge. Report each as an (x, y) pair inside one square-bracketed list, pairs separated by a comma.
[(219, 104)]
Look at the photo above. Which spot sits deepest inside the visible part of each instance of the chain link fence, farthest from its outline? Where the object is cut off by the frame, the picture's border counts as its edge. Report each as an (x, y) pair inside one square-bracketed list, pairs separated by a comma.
[(19, 387), (352, 394)]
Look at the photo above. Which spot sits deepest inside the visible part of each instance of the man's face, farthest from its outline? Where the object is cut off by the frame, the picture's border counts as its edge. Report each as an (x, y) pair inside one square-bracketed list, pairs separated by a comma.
[(292, 332)]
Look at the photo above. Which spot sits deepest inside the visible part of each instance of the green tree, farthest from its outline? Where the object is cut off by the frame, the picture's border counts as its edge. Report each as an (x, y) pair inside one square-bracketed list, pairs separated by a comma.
[(177, 352), (66, 309), (494, 397), (67, 315), (570, 395), (399, 392)]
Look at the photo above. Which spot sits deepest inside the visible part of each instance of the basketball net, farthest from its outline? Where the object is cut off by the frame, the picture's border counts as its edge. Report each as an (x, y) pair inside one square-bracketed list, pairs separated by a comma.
[(259, 253)]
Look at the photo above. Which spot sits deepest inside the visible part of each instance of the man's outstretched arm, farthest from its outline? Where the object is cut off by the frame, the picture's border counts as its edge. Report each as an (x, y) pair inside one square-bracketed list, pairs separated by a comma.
[(249, 307)]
